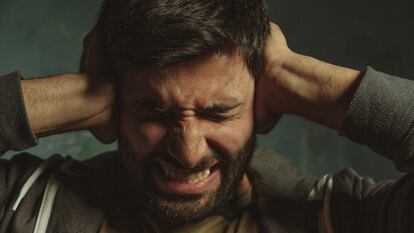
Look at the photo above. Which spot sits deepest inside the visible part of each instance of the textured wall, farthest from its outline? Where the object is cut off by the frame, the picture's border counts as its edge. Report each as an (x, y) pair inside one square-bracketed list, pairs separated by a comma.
[(43, 37)]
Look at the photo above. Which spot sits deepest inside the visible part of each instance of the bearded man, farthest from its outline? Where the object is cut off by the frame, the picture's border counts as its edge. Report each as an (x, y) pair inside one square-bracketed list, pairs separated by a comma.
[(185, 85)]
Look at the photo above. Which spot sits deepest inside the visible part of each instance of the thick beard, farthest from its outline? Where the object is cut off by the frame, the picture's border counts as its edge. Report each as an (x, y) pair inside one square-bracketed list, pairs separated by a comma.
[(174, 209)]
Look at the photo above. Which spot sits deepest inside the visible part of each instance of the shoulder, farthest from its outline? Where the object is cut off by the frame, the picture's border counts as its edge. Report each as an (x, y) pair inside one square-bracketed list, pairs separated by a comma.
[(15, 171), (83, 189), (279, 177), (282, 194)]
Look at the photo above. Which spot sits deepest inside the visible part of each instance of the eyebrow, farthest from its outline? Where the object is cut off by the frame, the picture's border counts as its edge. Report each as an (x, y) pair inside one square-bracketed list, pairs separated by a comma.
[(147, 103)]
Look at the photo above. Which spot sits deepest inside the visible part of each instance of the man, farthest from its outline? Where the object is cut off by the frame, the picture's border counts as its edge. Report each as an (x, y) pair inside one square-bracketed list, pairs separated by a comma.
[(185, 86)]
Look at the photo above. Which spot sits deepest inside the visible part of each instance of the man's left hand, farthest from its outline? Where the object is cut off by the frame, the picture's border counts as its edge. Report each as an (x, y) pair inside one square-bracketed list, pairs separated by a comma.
[(301, 85)]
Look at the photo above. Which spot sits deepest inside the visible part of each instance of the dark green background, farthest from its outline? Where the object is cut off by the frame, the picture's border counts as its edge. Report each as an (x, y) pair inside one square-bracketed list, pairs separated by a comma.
[(44, 37)]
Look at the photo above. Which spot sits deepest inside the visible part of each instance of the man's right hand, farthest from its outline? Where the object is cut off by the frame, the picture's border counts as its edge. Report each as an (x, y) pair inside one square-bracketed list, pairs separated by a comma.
[(96, 63), (76, 101)]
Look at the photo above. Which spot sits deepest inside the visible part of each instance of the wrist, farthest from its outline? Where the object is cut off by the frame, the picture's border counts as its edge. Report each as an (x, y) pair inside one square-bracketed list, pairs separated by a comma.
[(99, 96), (62, 103)]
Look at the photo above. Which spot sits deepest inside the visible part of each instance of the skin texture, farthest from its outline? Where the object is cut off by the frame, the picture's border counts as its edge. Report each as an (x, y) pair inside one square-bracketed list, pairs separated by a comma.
[(190, 116), (66, 102), (76, 101), (301, 85), (186, 90)]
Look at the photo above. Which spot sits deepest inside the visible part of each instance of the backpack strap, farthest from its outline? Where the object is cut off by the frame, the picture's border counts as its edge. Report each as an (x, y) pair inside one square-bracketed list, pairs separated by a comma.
[(50, 166), (32, 179), (48, 200), (45, 210)]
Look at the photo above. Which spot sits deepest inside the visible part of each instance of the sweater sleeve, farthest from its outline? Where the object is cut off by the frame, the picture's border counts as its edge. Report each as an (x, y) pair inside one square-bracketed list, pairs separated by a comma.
[(381, 116), (15, 131)]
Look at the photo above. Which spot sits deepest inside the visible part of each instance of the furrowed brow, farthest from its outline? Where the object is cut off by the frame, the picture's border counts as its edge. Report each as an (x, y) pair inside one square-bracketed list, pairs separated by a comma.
[(147, 103)]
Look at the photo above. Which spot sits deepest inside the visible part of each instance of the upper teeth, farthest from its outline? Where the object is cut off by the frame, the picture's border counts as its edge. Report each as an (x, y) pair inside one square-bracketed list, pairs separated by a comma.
[(186, 178)]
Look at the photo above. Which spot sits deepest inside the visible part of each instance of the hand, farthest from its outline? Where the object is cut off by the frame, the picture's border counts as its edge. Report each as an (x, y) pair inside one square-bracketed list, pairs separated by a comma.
[(269, 110), (96, 63), (301, 85)]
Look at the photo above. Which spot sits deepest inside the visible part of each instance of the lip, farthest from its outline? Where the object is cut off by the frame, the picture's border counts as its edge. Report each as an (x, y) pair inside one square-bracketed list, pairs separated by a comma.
[(169, 185)]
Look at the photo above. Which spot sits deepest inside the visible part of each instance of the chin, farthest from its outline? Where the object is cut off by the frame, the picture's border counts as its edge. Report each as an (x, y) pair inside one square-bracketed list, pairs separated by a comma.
[(178, 208), (174, 204), (183, 209)]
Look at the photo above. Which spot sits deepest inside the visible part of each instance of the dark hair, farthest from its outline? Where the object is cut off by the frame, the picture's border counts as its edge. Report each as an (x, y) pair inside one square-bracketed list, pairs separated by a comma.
[(143, 34)]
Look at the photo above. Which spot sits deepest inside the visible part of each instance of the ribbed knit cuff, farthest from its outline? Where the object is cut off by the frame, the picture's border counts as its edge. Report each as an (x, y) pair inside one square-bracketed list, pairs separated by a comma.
[(381, 116), (15, 131)]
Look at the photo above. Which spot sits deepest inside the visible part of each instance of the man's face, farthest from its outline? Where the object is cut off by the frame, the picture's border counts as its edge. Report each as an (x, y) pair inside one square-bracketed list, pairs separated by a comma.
[(187, 134)]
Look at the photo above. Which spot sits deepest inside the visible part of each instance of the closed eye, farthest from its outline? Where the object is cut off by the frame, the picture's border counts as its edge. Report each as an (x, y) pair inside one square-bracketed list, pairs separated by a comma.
[(220, 112), (217, 112), (218, 117)]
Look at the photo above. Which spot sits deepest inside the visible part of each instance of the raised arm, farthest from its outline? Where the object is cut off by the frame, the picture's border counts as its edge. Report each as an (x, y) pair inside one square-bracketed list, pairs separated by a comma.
[(65, 102), (368, 107), (43, 106)]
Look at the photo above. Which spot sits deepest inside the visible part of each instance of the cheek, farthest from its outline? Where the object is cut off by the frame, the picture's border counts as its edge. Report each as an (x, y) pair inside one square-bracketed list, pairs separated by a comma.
[(232, 136), (143, 136)]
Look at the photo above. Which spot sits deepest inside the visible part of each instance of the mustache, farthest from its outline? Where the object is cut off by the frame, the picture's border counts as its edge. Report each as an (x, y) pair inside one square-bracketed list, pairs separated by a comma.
[(206, 162)]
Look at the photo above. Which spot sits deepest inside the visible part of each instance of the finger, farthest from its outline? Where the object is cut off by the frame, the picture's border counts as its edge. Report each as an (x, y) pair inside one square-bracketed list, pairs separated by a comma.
[(264, 123), (265, 119), (274, 26)]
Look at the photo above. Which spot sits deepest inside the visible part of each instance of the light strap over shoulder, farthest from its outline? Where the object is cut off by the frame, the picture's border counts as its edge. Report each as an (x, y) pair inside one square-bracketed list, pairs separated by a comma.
[(49, 194), (32, 179), (48, 200), (45, 210)]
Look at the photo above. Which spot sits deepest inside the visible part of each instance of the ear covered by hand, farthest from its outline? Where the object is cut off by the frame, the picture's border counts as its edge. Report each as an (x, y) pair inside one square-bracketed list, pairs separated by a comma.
[(301, 85), (95, 62), (267, 113)]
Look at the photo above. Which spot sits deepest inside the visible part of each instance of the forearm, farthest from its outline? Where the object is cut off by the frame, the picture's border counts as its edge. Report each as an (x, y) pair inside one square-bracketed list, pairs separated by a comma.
[(62, 103), (371, 108), (313, 89)]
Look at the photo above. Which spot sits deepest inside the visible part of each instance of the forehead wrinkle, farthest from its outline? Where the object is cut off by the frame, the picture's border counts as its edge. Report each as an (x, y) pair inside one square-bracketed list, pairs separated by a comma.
[(222, 78)]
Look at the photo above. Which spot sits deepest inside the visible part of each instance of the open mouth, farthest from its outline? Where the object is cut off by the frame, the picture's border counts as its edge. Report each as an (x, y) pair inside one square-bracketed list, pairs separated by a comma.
[(184, 181)]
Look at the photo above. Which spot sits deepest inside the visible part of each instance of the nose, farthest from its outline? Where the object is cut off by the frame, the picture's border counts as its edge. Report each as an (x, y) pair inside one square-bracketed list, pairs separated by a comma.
[(186, 143)]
